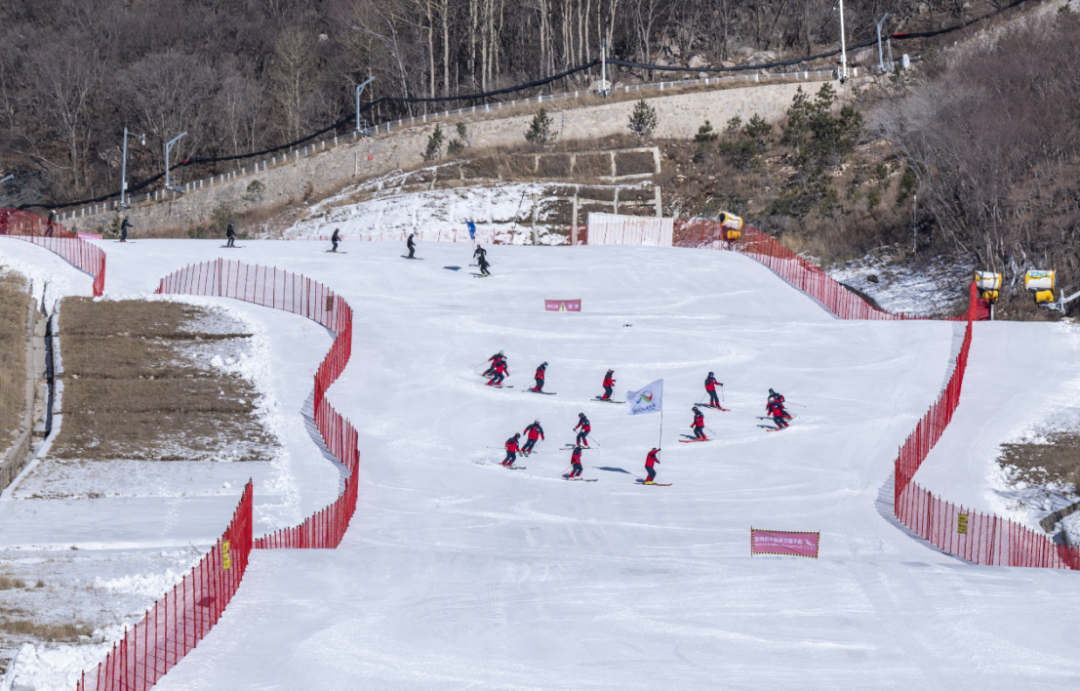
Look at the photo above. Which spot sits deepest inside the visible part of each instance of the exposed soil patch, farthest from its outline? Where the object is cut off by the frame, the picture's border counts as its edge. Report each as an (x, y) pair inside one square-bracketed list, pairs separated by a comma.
[(137, 385), (1055, 463), (14, 306)]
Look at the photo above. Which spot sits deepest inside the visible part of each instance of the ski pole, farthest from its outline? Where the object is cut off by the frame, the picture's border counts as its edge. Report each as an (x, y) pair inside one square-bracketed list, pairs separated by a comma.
[(798, 404), (710, 430), (721, 393)]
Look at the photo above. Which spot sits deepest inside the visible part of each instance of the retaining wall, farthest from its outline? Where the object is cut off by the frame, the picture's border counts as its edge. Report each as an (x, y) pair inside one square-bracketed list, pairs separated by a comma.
[(325, 167)]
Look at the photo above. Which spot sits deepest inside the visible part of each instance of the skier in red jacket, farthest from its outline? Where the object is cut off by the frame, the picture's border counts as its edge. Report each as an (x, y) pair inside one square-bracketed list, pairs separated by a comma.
[(710, 386), (776, 410), (779, 398), (609, 385), (511, 450), (539, 376), (699, 425), (494, 360), (575, 463), (650, 460), (534, 432), (500, 373), (583, 423)]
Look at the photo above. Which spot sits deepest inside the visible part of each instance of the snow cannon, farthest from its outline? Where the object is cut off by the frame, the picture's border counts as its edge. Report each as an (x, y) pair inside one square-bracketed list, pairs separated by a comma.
[(1040, 281), (732, 225), (988, 283), (1042, 296)]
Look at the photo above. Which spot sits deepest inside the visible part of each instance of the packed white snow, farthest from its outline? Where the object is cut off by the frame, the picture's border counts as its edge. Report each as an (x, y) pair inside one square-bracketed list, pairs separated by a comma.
[(459, 573)]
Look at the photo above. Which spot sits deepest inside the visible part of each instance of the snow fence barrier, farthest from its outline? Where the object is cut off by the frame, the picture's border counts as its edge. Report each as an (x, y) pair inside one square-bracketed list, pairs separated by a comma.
[(976, 537), (54, 237), (177, 622), (291, 292)]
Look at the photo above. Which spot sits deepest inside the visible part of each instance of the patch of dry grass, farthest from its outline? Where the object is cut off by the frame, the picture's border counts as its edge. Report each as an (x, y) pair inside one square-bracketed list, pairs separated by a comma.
[(1056, 462), (50, 633), (14, 306), (133, 390), (9, 583)]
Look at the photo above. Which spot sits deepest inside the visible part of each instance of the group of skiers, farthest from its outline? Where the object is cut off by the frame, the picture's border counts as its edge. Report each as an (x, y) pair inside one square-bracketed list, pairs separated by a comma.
[(498, 369)]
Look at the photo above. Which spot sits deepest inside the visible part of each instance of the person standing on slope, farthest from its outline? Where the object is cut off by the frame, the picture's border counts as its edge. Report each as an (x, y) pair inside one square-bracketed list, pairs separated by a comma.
[(533, 432), (575, 463), (501, 372), (699, 425), (511, 450), (539, 376), (335, 239), (124, 229), (230, 235), (482, 262), (609, 385), (411, 244), (494, 360), (710, 386), (776, 411), (583, 424), (479, 252), (650, 461)]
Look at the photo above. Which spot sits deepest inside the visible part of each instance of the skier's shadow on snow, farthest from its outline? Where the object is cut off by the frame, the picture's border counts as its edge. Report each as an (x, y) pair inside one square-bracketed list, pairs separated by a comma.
[(453, 268), (611, 470)]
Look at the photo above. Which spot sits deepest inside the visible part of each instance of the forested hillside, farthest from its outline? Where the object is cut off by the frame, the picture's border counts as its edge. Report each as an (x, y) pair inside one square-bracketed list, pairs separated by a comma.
[(244, 75)]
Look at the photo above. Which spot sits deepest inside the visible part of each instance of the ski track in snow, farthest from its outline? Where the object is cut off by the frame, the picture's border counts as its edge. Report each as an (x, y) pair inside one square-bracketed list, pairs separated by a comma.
[(457, 573)]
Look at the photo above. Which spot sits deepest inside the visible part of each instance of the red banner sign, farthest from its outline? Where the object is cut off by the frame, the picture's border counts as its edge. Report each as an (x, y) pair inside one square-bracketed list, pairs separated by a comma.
[(784, 542), (562, 305)]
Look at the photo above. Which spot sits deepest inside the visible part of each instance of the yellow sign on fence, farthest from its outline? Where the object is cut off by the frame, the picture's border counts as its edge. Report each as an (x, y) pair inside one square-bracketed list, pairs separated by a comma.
[(961, 523), (226, 560)]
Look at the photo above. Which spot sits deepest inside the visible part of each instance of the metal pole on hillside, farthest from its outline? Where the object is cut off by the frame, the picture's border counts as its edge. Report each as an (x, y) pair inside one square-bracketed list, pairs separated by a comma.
[(123, 167), (359, 90), (914, 222), (843, 47), (168, 148), (880, 53)]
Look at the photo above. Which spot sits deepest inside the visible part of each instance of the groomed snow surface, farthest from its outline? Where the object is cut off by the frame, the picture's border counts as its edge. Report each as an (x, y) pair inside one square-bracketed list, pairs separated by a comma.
[(457, 573)]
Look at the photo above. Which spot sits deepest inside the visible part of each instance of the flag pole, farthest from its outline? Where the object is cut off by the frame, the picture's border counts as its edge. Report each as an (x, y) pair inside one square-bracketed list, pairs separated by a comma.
[(661, 427)]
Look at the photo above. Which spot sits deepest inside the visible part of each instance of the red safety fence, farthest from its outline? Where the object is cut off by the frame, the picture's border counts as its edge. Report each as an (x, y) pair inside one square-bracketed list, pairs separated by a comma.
[(294, 293), (977, 537), (56, 238), (177, 622), (703, 234)]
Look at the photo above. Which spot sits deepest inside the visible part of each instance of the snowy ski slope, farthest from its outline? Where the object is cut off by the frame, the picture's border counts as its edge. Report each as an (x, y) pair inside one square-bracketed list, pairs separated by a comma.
[(457, 573)]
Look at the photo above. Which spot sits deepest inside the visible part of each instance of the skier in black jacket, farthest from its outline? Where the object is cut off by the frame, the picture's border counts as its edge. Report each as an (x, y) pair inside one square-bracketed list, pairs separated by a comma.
[(230, 233), (412, 246), (335, 238)]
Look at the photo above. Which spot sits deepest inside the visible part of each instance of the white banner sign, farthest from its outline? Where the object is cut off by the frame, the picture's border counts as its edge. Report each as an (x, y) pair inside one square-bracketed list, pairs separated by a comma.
[(647, 400)]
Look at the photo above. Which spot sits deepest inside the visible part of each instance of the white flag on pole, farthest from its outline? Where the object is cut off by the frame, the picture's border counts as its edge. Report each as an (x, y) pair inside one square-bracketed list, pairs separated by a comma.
[(647, 400)]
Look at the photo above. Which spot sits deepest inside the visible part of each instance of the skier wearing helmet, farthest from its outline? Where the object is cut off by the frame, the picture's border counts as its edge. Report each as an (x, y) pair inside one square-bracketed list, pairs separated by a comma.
[(583, 424), (533, 432), (650, 460), (609, 385), (494, 360), (539, 376), (575, 463), (511, 450), (699, 425), (710, 386)]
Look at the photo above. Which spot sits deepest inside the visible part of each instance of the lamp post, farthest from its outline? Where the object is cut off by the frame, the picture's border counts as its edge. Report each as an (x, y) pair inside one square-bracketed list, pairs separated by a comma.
[(880, 55), (168, 147), (359, 90), (843, 47), (123, 166)]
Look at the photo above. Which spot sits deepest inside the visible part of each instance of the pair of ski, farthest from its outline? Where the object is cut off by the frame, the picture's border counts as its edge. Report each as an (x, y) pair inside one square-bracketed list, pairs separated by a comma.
[(692, 441), (606, 400), (715, 407)]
